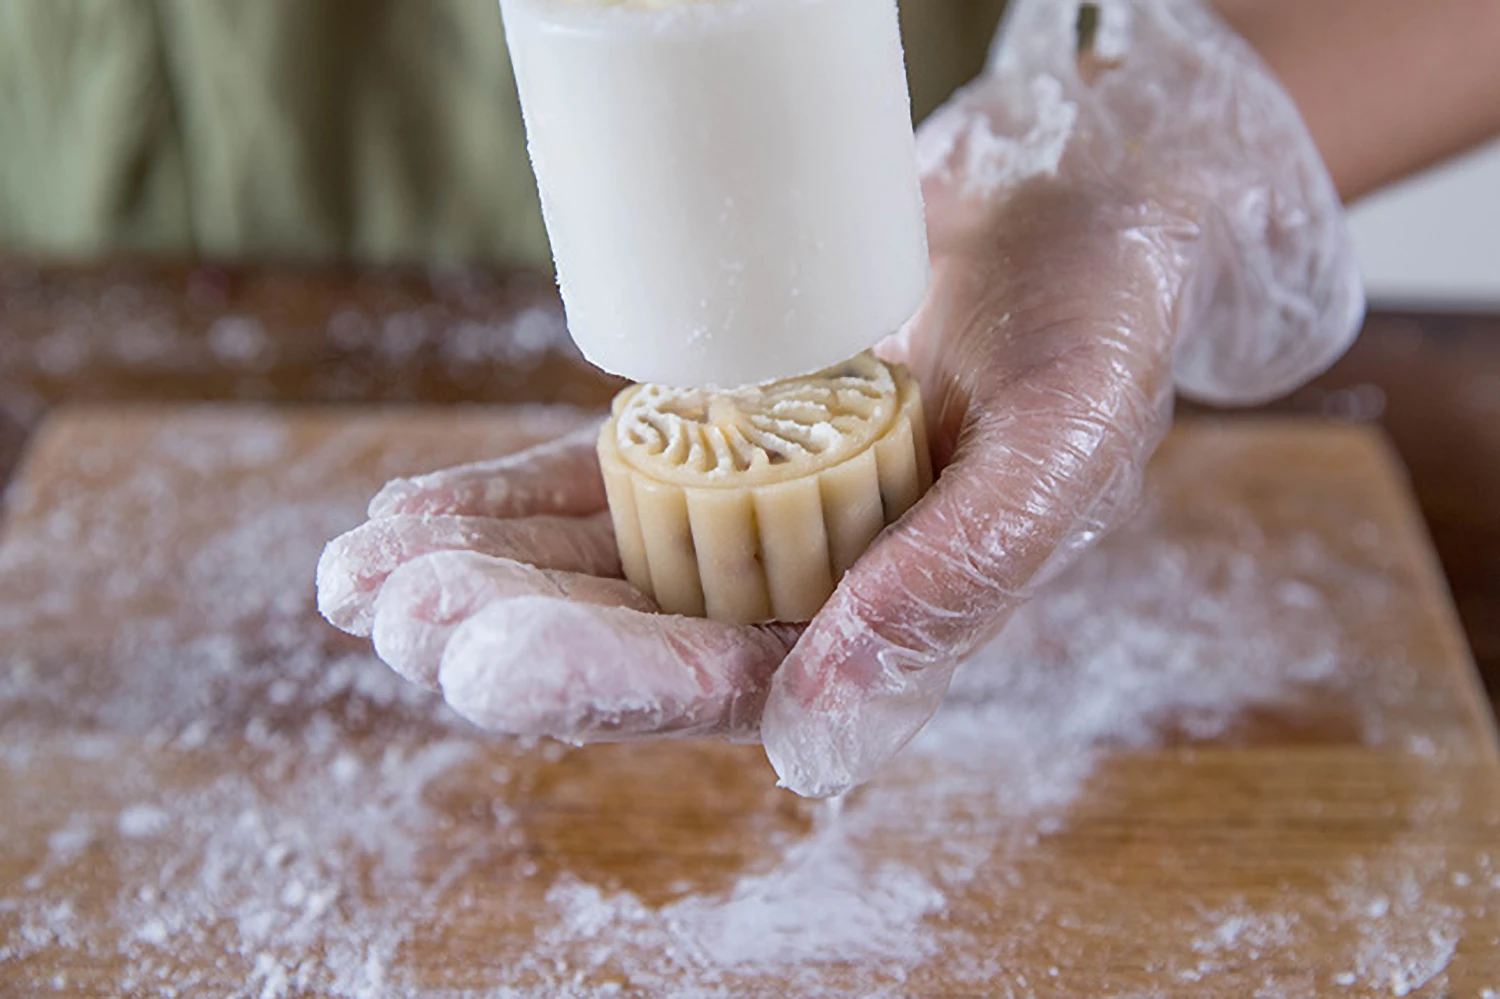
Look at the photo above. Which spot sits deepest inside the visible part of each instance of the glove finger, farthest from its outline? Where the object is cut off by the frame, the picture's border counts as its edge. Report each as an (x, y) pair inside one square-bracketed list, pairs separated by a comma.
[(560, 478), (426, 600), (355, 566), (1062, 429), (581, 673), (876, 663)]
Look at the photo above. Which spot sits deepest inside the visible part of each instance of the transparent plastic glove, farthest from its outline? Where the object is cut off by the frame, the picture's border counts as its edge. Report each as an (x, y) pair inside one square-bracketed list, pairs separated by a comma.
[(1100, 229), (498, 583), (1109, 215)]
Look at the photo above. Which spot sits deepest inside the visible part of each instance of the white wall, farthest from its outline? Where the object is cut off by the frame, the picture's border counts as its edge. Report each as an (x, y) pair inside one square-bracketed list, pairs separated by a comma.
[(1434, 241)]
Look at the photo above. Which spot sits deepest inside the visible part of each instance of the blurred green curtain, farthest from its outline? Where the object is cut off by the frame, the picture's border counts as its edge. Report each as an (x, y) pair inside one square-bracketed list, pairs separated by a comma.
[(365, 130)]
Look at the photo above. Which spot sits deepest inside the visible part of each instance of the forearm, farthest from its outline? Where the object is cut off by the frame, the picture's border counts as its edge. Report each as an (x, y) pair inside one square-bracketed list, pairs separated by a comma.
[(1386, 86)]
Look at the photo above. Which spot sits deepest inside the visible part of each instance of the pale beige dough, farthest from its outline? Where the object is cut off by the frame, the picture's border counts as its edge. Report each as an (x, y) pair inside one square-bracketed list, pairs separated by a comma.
[(750, 505)]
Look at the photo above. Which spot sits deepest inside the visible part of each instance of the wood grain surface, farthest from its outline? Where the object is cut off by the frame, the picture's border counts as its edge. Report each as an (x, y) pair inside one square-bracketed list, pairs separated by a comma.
[(128, 332), (1432, 382), (1269, 770)]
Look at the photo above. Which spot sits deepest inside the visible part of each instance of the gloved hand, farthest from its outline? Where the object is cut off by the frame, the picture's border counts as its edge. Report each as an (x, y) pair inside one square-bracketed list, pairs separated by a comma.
[(499, 583), (1107, 218)]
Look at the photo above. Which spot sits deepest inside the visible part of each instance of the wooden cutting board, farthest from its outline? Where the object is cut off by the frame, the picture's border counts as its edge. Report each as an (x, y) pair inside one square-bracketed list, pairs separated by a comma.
[(1239, 750)]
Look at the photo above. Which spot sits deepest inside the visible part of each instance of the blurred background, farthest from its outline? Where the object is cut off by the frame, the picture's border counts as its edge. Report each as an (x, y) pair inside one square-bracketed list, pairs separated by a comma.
[(1434, 241)]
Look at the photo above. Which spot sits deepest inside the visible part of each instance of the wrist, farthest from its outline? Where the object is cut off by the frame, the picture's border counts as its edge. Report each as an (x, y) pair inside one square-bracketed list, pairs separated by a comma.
[(1385, 86)]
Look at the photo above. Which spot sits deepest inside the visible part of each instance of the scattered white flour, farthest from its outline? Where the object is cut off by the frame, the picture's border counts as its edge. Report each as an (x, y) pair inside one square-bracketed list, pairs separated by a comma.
[(140, 821), (280, 802), (960, 140)]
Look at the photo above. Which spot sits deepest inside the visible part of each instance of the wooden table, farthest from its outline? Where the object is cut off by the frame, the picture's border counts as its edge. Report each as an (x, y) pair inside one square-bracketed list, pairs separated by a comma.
[(1278, 782), (1433, 384), (180, 333), (1239, 751)]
